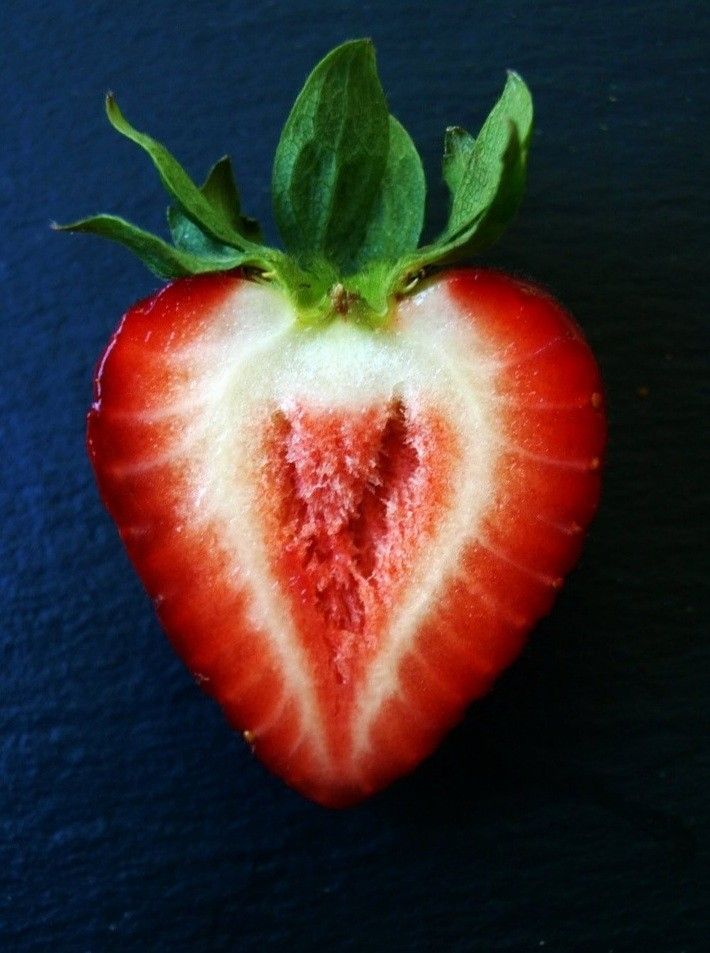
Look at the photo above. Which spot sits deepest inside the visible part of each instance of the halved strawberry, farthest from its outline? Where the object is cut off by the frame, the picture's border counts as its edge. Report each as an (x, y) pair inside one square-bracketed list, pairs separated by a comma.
[(350, 483)]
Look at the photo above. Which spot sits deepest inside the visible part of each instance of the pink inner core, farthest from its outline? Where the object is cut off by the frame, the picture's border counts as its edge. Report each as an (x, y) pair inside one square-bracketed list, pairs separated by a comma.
[(359, 492)]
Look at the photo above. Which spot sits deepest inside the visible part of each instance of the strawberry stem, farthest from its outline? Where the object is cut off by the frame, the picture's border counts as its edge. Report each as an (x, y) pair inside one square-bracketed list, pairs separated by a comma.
[(341, 299)]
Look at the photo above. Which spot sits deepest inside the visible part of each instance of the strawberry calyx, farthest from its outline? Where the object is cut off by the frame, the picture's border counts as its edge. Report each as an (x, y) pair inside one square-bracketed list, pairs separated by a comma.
[(348, 194)]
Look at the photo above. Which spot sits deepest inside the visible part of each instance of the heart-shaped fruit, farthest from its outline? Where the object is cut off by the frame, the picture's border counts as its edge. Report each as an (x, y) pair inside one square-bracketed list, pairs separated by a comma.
[(351, 481)]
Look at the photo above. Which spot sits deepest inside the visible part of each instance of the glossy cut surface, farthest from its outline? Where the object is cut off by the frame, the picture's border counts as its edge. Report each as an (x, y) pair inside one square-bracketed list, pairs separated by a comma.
[(349, 534)]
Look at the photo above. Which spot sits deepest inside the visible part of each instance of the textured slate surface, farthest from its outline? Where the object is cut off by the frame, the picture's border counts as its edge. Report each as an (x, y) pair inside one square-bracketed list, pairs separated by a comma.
[(569, 811)]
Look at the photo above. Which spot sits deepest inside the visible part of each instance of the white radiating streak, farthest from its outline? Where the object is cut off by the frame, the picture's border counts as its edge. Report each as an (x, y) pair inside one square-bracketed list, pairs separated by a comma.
[(584, 466), (463, 371), (499, 553), (227, 368)]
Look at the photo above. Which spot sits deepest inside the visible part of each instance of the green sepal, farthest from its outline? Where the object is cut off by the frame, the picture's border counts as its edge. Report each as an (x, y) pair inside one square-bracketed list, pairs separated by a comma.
[(331, 158), (486, 178), (215, 218), (494, 168), (189, 237), (397, 216), (220, 190), (458, 147), (349, 195), (209, 231), (162, 259)]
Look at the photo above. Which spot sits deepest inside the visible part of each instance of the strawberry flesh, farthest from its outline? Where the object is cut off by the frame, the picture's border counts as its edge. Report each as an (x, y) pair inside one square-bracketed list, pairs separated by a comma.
[(348, 534), (354, 499)]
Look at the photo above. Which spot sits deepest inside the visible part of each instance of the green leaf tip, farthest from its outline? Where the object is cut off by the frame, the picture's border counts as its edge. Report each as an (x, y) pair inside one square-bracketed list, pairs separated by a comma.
[(331, 158), (348, 193), (163, 259)]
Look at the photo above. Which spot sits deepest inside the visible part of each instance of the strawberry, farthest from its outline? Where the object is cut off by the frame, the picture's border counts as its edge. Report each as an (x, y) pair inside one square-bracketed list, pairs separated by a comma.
[(351, 477)]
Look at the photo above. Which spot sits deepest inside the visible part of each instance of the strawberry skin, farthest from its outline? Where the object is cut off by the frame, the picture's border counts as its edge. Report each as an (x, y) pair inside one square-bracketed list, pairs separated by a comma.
[(350, 480), (348, 533)]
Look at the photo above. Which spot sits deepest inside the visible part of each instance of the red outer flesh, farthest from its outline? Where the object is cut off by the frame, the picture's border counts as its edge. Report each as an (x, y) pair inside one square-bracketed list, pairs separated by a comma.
[(547, 489)]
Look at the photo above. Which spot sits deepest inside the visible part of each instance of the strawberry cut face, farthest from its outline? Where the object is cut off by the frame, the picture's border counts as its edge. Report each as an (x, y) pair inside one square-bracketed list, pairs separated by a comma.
[(351, 488), (348, 532)]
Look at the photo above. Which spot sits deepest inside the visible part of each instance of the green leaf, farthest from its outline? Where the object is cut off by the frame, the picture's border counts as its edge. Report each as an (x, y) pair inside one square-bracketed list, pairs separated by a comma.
[(162, 259), (396, 220), (189, 237), (486, 177), (496, 161), (490, 224), (220, 190), (349, 196), (458, 146), (331, 158), (214, 219)]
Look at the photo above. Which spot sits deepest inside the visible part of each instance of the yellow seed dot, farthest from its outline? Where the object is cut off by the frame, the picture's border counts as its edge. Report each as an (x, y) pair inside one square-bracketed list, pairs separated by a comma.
[(596, 400)]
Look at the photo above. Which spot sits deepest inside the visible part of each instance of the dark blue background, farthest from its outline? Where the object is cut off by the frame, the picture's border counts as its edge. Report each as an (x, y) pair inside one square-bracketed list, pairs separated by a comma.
[(569, 811)]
